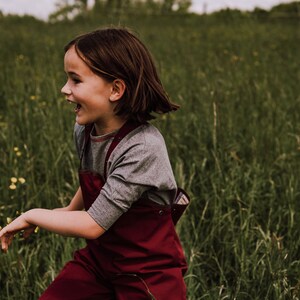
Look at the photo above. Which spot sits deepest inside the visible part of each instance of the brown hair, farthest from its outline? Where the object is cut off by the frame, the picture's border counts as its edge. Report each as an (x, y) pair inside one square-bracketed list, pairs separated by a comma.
[(115, 53)]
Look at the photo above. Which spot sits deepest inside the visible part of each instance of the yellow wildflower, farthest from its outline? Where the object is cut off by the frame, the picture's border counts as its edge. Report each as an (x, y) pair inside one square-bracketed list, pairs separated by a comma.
[(19, 153), (32, 97), (8, 220), (36, 230), (235, 58), (16, 149), (20, 57), (12, 186), (21, 180), (13, 179)]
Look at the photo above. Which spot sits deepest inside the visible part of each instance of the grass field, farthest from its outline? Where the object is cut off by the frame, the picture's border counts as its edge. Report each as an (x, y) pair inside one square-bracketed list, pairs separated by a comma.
[(234, 146)]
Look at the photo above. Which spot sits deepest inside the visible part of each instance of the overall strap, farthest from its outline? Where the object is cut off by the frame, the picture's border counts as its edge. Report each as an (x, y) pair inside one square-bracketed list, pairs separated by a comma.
[(123, 131), (87, 131)]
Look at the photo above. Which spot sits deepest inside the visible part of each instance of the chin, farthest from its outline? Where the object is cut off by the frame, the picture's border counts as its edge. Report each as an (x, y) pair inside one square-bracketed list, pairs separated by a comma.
[(81, 122)]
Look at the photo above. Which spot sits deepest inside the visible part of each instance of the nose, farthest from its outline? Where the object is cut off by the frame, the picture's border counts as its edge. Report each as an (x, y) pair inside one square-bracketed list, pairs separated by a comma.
[(66, 90)]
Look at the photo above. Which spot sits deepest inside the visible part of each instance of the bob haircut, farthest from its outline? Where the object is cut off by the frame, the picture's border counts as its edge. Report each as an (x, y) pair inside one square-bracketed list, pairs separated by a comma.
[(115, 53)]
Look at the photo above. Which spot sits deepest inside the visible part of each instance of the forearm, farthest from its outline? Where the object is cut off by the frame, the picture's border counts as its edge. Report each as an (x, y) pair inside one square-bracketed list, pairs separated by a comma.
[(67, 223)]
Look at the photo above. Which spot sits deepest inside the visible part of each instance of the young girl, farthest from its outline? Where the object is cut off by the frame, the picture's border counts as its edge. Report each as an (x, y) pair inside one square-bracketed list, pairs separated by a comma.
[(128, 201)]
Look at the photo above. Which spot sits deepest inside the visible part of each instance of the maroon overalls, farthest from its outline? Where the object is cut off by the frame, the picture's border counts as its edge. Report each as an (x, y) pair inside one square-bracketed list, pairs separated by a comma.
[(138, 257)]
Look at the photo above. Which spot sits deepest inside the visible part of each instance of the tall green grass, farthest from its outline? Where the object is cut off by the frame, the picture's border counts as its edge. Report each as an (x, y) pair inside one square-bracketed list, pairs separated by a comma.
[(234, 146)]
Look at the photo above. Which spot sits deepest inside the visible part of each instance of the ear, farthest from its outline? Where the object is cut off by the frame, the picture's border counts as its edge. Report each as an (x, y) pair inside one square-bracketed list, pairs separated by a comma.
[(118, 89)]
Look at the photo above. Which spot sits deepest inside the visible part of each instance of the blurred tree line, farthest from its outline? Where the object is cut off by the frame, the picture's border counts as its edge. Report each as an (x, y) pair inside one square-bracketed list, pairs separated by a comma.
[(284, 10), (70, 9), (66, 10)]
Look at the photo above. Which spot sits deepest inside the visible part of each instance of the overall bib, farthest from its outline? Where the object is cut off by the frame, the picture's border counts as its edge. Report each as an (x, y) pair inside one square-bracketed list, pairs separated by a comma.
[(138, 257)]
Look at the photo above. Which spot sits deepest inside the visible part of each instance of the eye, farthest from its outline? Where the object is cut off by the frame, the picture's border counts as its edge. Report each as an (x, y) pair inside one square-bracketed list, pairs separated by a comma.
[(73, 77), (76, 80)]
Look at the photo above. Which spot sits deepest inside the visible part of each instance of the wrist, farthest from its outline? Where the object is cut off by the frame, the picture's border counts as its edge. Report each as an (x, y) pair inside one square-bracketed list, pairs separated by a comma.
[(28, 216)]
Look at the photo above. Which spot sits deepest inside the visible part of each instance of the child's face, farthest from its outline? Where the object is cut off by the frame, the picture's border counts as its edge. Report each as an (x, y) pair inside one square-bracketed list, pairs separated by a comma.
[(89, 92)]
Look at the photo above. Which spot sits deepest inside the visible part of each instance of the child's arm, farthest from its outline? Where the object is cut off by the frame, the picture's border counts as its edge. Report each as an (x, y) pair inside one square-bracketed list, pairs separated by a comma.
[(75, 204), (67, 223)]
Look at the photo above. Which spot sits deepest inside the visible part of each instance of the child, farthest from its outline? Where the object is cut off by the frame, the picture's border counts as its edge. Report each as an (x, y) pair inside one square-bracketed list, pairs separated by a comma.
[(127, 188)]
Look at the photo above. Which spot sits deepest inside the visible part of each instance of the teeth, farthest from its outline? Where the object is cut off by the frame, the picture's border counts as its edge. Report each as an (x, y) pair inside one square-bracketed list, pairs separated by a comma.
[(77, 108), (77, 105)]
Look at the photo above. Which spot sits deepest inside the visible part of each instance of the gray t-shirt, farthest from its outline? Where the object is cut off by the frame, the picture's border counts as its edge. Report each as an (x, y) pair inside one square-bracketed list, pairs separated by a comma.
[(138, 167)]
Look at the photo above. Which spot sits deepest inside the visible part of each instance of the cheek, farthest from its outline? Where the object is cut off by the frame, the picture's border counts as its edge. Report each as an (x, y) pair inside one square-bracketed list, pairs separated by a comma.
[(78, 91), (101, 93)]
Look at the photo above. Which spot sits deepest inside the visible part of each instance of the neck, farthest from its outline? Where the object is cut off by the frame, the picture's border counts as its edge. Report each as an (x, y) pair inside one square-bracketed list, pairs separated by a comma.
[(108, 127)]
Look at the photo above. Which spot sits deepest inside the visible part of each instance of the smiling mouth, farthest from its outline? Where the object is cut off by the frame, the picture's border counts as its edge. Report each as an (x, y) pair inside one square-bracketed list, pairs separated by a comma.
[(77, 107)]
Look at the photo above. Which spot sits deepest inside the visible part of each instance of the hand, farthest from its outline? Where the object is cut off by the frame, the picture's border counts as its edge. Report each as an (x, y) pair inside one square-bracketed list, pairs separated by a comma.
[(8, 232)]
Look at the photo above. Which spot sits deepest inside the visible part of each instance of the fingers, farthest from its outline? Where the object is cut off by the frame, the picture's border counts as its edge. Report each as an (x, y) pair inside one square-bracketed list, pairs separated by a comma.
[(9, 240), (6, 240), (28, 232), (6, 237)]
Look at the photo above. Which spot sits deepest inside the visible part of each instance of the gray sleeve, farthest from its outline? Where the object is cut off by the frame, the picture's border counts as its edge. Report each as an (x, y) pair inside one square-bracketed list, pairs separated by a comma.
[(140, 167)]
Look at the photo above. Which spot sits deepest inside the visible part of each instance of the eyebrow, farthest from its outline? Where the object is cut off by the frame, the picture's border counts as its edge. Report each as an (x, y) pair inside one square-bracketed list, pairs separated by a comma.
[(72, 74)]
